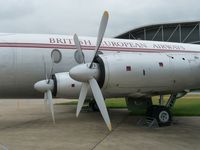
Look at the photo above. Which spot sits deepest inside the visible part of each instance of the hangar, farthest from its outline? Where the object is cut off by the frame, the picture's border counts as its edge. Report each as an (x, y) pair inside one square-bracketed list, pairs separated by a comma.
[(183, 32)]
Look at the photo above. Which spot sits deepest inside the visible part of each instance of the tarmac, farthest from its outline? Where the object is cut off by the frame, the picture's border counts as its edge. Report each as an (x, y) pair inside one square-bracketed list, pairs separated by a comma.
[(27, 125)]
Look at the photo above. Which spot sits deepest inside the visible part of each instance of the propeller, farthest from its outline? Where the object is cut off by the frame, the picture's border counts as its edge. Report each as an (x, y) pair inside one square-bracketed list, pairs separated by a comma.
[(87, 73), (46, 86)]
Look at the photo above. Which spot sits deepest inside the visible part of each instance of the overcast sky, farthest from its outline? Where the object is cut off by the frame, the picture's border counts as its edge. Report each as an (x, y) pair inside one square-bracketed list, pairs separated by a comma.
[(83, 16)]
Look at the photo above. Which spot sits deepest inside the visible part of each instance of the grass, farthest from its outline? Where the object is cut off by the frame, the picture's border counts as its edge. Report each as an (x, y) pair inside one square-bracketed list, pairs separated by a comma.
[(186, 106), (116, 103)]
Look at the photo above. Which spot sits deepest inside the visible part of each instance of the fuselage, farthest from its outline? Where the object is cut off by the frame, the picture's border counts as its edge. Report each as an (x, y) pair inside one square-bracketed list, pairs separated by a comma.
[(23, 58)]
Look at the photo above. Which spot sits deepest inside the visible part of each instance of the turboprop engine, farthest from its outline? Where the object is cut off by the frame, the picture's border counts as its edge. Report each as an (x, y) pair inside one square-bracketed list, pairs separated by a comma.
[(65, 86)]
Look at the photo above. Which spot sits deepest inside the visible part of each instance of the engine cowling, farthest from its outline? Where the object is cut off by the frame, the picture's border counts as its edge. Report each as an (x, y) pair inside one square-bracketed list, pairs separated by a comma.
[(124, 74), (65, 86)]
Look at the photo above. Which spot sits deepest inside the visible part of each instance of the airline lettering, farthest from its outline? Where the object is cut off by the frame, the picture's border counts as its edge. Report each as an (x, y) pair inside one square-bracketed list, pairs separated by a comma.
[(168, 47), (104, 43), (117, 44), (124, 44), (60, 41)]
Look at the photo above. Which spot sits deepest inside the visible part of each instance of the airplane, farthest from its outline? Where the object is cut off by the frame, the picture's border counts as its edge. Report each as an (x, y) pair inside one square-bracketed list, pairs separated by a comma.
[(72, 67)]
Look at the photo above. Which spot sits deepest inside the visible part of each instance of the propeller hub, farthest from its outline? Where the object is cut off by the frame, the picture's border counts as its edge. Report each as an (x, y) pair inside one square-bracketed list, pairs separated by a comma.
[(83, 73), (43, 85)]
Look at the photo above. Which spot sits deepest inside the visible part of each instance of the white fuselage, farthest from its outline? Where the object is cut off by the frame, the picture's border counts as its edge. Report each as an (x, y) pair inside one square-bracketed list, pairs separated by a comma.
[(155, 66)]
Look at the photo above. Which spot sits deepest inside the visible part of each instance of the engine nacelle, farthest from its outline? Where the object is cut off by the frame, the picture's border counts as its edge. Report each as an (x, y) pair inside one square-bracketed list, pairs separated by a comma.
[(123, 74), (65, 86), (131, 74)]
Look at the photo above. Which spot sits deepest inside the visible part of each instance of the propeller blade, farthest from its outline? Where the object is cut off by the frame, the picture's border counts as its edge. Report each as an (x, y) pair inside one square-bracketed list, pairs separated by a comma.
[(45, 101), (45, 98), (83, 94), (51, 72), (45, 68), (50, 100), (80, 55), (102, 29), (100, 101)]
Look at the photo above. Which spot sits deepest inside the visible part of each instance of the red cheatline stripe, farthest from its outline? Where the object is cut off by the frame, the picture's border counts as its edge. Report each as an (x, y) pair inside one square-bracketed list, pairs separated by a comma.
[(65, 46)]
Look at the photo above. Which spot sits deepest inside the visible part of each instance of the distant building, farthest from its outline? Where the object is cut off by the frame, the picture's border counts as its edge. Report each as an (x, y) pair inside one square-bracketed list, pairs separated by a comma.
[(184, 32)]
